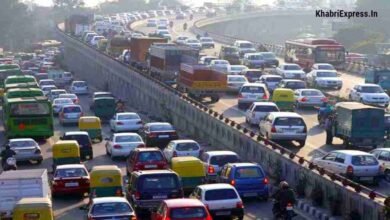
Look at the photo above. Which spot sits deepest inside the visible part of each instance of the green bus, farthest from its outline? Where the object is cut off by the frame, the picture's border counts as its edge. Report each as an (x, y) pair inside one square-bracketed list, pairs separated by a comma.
[(8, 70), (28, 117), (20, 85), (23, 92), (19, 79)]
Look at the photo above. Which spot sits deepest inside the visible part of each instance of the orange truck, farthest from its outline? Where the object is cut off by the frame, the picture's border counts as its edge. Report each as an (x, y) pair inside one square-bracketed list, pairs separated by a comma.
[(139, 50), (200, 81)]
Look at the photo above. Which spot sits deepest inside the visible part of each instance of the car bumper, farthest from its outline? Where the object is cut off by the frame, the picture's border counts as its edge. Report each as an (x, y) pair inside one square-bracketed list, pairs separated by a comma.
[(28, 157), (376, 103), (246, 193), (310, 104), (69, 120), (227, 212), (70, 190), (147, 204), (130, 128), (121, 153), (296, 137)]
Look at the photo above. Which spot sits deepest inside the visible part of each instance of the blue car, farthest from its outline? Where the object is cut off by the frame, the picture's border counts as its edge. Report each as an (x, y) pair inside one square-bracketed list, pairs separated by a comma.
[(249, 179)]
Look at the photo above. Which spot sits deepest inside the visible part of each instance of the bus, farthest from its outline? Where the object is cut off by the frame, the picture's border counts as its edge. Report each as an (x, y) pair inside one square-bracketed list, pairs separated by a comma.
[(19, 79), (8, 70), (28, 117), (20, 85), (308, 51), (23, 92)]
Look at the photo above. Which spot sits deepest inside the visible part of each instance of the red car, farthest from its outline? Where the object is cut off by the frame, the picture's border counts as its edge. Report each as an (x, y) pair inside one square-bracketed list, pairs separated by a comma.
[(150, 158), (183, 209), (70, 179)]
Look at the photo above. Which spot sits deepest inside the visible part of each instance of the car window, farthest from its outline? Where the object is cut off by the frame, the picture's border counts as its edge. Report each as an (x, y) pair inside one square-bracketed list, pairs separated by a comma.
[(128, 117), (150, 156), (330, 157), (340, 158), (289, 121), (79, 84), (292, 67), (265, 108), (326, 74), (127, 138), (253, 73), (236, 79), (221, 160), (187, 147), (70, 172), (111, 208), (161, 128), (26, 143), (253, 89), (364, 160), (220, 194), (188, 212), (371, 89), (273, 79), (73, 109), (248, 172), (384, 155), (311, 93), (159, 182), (63, 101), (81, 139)]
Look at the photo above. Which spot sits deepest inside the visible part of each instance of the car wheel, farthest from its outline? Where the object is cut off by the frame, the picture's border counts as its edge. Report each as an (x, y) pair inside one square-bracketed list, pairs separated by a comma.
[(301, 143), (39, 162)]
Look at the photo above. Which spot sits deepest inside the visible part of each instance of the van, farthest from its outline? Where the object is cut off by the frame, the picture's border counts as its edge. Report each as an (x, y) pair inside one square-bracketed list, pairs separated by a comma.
[(252, 92)]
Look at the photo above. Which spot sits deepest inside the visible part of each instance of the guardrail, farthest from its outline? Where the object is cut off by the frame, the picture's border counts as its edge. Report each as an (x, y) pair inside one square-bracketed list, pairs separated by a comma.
[(197, 118)]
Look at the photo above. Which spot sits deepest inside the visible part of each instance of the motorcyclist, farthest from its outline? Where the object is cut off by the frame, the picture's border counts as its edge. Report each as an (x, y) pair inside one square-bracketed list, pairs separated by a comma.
[(325, 110), (283, 196), (5, 154)]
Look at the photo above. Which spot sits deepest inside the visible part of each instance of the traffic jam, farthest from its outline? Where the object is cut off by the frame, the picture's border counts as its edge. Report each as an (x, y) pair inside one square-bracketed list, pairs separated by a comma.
[(166, 176)]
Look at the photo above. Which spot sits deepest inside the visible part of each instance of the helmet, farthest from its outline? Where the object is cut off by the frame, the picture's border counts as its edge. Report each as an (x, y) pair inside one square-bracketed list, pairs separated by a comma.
[(283, 185)]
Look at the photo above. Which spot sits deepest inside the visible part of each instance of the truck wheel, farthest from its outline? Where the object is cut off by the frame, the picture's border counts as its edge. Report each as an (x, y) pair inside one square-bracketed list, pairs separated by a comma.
[(301, 143)]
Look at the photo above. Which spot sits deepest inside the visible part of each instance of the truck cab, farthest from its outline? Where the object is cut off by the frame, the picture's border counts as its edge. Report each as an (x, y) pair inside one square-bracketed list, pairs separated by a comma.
[(380, 77)]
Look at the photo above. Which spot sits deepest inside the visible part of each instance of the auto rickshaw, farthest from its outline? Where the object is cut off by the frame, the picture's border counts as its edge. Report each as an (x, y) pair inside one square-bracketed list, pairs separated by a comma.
[(66, 152), (93, 126), (33, 209), (191, 171), (104, 107), (284, 99), (106, 181)]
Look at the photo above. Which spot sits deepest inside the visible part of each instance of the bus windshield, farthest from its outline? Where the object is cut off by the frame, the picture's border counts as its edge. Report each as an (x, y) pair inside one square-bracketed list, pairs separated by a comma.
[(324, 55), (25, 109)]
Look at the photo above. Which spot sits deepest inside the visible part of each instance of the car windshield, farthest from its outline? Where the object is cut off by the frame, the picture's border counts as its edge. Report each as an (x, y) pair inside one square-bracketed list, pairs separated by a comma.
[(162, 127), (230, 50), (253, 89), (253, 73), (70, 172), (266, 108), (207, 40), (221, 160), (273, 79), (72, 109), (237, 68), (127, 138), (150, 156), (220, 194), (248, 172), (255, 57), (371, 89), (111, 208), (164, 32), (63, 101), (325, 67), (80, 84), (292, 67), (246, 45), (71, 96), (311, 93), (296, 85), (364, 160), (188, 213), (289, 121), (81, 139), (268, 55), (159, 182), (187, 147), (326, 74), (236, 79), (26, 143), (193, 41), (128, 117)]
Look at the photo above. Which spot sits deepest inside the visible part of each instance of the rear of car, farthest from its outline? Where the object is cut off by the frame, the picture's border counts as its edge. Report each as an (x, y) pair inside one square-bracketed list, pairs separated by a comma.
[(84, 141), (79, 87), (160, 135), (364, 167), (185, 148), (235, 82), (152, 159), (58, 103), (111, 208), (124, 143), (215, 161), (309, 98), (271, 81), (26, 149), (252, 75), (70, 114), (70, 179), (54, 93), (126, 122), (289, 127), (252, 92), (74, 97), (258, 111)]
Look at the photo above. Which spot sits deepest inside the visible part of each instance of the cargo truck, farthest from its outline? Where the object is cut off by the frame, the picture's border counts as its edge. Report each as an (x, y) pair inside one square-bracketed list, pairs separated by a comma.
[(19, 184), (77, 24), (200, 81), (380, 77), (116, 45), (139, 50), (165, 60)]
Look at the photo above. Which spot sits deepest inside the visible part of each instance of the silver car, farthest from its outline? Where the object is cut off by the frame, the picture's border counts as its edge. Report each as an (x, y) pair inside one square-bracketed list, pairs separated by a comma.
[(79, 87), (252, 92), (213, 162), (26, 149), (55, 93), (58, 103), (284, 126), (235, 82), (271, 81), (121, 144), (258, 110), (309, 98), (70, 114)]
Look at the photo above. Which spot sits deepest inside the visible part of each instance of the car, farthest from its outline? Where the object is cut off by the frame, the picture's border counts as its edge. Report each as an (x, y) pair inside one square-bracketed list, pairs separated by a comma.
[(324, 79), (26, 149), (249, 179), (207, 42), (70, 114), (54, 93), (149, 187), (322, 66), (96, 39), (206, 60), (369, 94), (194, 43), (292, 84), (181, 209), (353, 164), (162, 27), (164, 34), (258, 110), (180, 16), (383, 156), (213, 162), (284, 126), (184, 147), (46, 89), (230, 54), (236, 69), (181, 39), (151, 23), (126, 121), (46, 82), (150, 158), (220, 65), (252, 92), (290, 71), (84, 141), (252, 75), (222, 200), (110, 208), (79, 87), (71, 96), (235, 82), (244, 47), (70, 179), (270, 59), (158, 134), (253, 60), (58, 103), (271, 81), (309, 98), (121, 144)]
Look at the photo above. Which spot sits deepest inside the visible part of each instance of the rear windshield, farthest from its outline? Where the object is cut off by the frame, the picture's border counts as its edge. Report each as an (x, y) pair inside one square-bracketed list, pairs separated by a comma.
[(291, 67), (150, 156), (326, 74), (371, 89), (70, 172), (285, 121), (187, 147), (246, 45), (110, 208), (220, 194), (127, 117), (236, 79), (253, 73), (161, 128), (81, 139), (325, 67), (72, 109), (311, 93), (364, 160), (188, 212), (159, 182), (262, 108), (248, 172), (63, 101), (252, 89), (27, 143), (129, 138), (296, 85), (223, 159), (79, 84), (273, 79)]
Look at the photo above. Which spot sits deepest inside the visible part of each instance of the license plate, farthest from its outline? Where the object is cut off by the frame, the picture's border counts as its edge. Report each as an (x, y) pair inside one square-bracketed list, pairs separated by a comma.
[(289, 130), (366, 178), (250, 194), (163, 136), (223, 213), (289, 208), (71, 184), (252, 96), (150, 166), (160, 197)]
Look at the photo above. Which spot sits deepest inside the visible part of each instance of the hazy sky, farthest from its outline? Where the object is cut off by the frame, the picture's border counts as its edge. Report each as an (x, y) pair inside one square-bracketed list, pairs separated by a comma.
[(90, 3)]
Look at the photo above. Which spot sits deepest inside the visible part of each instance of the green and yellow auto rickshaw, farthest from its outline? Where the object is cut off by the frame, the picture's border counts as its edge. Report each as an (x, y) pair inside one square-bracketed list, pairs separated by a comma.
[(106, 181), (93, 126), (33, 209), (191, 171), (284, 99), (104, 107), (66, 152)]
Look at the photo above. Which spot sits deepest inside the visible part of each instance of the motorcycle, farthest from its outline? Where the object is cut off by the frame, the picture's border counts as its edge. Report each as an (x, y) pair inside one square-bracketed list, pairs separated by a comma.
[(286, 214), (10, 164), (323, 114)]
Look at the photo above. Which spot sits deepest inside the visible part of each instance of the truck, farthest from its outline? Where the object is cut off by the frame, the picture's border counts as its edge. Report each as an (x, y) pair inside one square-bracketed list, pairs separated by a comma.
[(166, 58), (201, 81), (117, 44), (380, 77), (18, 184), (359, 125), (76, 24), (139, 50)]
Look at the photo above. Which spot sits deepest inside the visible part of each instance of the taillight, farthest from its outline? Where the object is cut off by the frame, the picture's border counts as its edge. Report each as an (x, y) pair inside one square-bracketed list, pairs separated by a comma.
[(37, 151), (349, 169), (233, 182), (289, 204), (210, 169), (117, 146), (76, 101), (119, 123), (174, 154), (265, 181), (140, 145), (265, 96), (152, 135), (137, 166), (90, 218), (239, 205), (137, 195), (273, 129), (118, 192), (304, 99), (135, 218), (240, 96), (173, 133), (325, 99)]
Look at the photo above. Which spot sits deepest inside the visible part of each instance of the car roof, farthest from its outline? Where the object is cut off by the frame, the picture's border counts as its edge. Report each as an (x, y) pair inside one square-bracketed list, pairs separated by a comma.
[(76, 133), (125, 134), (271, 75), (67, 166), (220, 152), (264, 104), (288, 64), (331, 71), (43, 80), (292, 80), (146, 149), (242, 41), (157, 123), (368, 84), (70, 105), (149, 172), (382, 148), (109, 199), (21, 139), (351, 152), (77, 81), (245, 164), (236, 76), (322, 64), (61, 99), (183, 202), (216, 186), (308, 89), (254, 84), (127, 113), (285, 114), (183, 141)]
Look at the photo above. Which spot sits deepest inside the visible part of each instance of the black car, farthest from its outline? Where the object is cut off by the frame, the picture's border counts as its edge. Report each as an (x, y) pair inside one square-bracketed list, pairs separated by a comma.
[(158, 134), (230, 54), (84, 141)]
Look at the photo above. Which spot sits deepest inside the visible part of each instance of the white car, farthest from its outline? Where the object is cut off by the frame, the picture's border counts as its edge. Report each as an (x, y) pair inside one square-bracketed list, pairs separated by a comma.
[(213, 161), (46, 82), (121, 144), (58, 103), (179, 148), (206, 60), (79, 87), (322, 66), (46, 89), (272, 81), (258, 110), (235, 82), (151, 23), (252, 92), (324, 79), (309, 98), (290, 71), (26, 149), (207, 42), (221, 65), (244, 47), (369, 94), (96, 39), (221, 199), (194, 43), (126, 121), (354, 164), (74, 97), (383, 156), (55, 93), (181, 39), (236, 69)]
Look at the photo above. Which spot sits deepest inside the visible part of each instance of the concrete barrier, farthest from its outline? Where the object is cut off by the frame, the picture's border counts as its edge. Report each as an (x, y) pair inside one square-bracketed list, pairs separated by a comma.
[(150, 95)]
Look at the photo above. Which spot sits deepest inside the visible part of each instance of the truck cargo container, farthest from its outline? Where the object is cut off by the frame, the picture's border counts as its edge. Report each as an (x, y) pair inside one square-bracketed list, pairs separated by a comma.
[(117, 44), (139, 49)]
